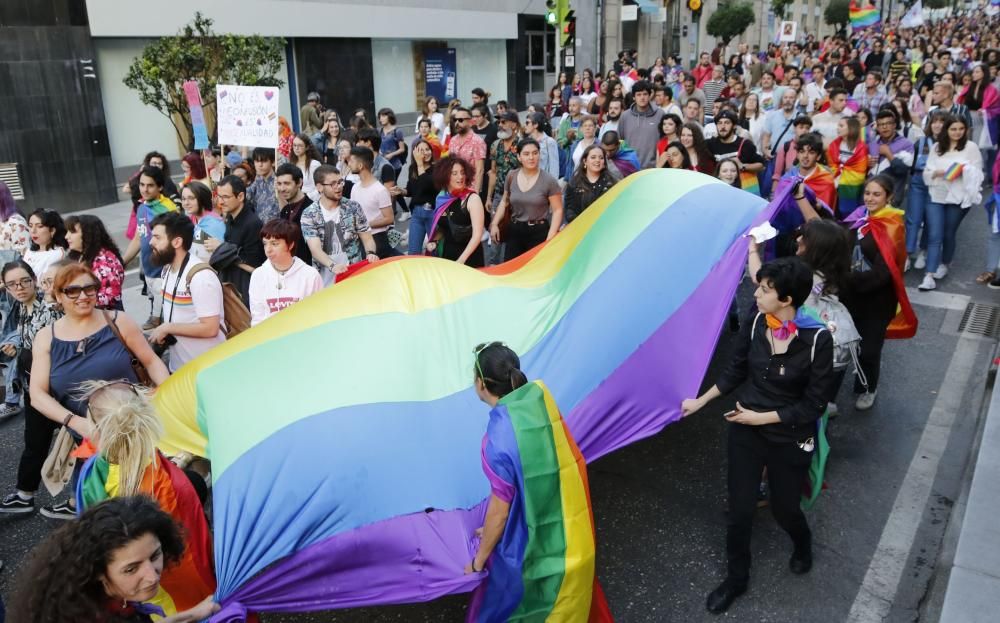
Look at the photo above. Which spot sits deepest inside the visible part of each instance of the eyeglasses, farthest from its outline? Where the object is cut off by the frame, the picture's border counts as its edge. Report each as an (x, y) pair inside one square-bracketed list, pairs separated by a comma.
[(47, 283), (333, 184), (74, 292), (20, 284)]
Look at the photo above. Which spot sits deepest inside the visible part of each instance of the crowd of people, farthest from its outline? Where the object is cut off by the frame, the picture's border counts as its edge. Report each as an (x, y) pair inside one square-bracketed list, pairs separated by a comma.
[(856, 126)]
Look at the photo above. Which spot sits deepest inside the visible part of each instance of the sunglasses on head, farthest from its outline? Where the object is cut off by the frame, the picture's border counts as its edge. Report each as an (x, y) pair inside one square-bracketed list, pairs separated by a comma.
[(74, 292)]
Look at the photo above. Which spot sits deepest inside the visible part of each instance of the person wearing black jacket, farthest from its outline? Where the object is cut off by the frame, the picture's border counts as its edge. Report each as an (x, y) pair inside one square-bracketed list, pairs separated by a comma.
[(242, 251), (782, 372), (591, 180)]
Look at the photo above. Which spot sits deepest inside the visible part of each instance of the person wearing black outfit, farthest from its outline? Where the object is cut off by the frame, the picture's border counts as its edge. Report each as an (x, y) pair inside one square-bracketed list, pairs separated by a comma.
[(421, 191), (783, 369), (288, 183), (590, 181), (458, 234), (242, 250), (482, 126)]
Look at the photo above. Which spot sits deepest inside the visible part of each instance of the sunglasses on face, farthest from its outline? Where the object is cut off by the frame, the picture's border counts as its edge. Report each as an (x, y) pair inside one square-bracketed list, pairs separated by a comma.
[(74, 292)]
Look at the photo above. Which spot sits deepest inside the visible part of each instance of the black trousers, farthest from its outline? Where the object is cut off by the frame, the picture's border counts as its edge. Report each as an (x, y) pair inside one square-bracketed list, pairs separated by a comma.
[(38, 431), (382, 247), (787, 466), (521, 237), (871, 325)]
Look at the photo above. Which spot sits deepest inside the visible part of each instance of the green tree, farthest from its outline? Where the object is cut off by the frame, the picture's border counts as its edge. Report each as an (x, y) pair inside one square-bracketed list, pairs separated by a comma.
[(837, 13), (197, 53), (730, 20), (780, 7), (937, 4)]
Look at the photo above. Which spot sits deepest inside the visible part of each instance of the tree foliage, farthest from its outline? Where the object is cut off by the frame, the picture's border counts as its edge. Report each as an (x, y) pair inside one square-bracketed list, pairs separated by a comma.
[(197, 53), (937, 4), (837, 13), (730, 20), (780, 7)]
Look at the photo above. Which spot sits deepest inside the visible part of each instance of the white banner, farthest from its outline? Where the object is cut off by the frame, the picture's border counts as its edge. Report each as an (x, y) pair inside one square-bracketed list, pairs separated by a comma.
[(247, 115), (914, 17)]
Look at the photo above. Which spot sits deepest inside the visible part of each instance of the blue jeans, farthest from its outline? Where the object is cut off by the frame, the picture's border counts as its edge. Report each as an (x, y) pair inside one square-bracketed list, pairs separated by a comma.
[(421, 217), (942, 231), (916, 209), (992, 252)]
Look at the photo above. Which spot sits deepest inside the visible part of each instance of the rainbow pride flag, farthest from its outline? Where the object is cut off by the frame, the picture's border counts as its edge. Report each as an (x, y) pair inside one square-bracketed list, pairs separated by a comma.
[(549, 539), (850, 176), (340, 484), (186, 584), (954, 171), (863, 16)]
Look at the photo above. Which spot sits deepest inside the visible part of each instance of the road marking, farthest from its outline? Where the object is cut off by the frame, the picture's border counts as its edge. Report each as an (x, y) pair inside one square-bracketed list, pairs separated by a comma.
[(877, 592), (935, 298)]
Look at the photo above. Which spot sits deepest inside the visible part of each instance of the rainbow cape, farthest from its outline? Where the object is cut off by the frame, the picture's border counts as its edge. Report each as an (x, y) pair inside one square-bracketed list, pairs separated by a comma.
[(186, 584), (549, 537), (862, 16), (345, 478), (626, 160), (850, 175), (887, 227)]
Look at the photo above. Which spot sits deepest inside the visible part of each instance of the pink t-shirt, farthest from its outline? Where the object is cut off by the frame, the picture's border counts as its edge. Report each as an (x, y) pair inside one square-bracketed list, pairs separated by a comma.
[(372, 199)]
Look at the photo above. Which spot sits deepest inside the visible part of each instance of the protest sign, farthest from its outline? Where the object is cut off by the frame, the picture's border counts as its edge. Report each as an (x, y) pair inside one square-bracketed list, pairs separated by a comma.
[(247, 115)]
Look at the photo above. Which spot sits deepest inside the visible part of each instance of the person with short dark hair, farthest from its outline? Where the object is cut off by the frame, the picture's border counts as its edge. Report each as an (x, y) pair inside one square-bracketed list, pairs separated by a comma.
[(727, 146), (261, 196), (192, 315), (374, 199), (889, 151), (151, 180), (639, 125), (290, 187), (788, 359), (131, 187), (283, 279), (818, 177), (309, 115), (467, 145), (242, 250), (622, 159), (335, 228)]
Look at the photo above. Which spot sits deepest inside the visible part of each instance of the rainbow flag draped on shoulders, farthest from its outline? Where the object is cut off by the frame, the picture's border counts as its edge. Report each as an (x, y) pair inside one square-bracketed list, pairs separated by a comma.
[(543, 567), (863, 16), (850, 176), (887, 227), (191, 580)]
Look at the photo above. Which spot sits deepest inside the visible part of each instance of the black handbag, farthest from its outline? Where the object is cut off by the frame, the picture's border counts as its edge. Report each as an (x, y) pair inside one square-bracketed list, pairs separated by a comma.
[(460, 232)]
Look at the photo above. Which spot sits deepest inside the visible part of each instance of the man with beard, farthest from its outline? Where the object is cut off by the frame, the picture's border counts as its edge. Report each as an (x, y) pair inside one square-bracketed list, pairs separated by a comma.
[(288, 183), (727, 146), (154, 203), (467, 145), (768, 95), (192, 311), (482, 126), (615, 108)]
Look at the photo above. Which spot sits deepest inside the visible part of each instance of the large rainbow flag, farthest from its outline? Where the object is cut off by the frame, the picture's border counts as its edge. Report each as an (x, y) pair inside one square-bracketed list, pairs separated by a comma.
[(345, 433), (863, 16)]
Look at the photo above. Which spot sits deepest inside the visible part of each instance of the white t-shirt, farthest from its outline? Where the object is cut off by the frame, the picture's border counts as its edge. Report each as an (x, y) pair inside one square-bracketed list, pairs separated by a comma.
[(203, 300), (372, 200), (39, 261)]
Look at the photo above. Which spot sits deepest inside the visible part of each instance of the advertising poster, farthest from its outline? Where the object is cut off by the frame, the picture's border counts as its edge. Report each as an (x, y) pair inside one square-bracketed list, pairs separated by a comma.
[(440, 74)]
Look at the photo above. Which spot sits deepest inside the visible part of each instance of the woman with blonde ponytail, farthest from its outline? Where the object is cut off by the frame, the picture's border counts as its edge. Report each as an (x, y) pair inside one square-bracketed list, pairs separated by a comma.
[(127, 463)]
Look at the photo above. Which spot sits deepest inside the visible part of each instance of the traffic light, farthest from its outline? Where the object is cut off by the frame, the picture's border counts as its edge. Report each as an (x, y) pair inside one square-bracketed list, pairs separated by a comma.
[(551, 16), (568, 31)]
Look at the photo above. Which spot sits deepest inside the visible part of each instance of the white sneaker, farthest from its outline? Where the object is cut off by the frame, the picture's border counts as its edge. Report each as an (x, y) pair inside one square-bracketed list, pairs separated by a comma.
[(928, 283), (403, 217), (865, 401), (941, 272), (831, 410), (907, 265), (921, 262)]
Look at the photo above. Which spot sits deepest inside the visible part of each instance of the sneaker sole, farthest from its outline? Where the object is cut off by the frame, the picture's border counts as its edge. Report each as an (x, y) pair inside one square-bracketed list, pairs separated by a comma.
[(17, 511), (61, 516)]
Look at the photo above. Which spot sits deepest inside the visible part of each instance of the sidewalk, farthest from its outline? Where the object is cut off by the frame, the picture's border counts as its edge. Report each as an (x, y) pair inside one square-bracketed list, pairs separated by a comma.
[(974, 583)]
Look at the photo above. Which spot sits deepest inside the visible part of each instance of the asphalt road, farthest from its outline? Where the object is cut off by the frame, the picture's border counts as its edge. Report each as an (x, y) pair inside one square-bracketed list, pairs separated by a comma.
[(659, 504)]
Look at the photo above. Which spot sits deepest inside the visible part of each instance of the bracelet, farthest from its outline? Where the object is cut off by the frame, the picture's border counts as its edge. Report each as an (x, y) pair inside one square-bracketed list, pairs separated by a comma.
[(69, 416)]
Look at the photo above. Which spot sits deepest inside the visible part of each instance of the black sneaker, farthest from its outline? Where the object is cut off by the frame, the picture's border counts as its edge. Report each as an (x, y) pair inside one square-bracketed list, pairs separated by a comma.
[(994, 284), (59, 510), (14, 503)]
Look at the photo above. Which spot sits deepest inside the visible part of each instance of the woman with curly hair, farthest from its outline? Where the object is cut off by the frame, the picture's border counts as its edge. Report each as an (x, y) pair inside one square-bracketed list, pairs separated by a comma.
[(92, 245), (104, 567)]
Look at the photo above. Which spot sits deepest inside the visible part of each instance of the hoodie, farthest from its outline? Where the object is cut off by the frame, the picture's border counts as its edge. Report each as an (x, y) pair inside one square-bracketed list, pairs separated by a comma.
[(642, 131), (271, 292)]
